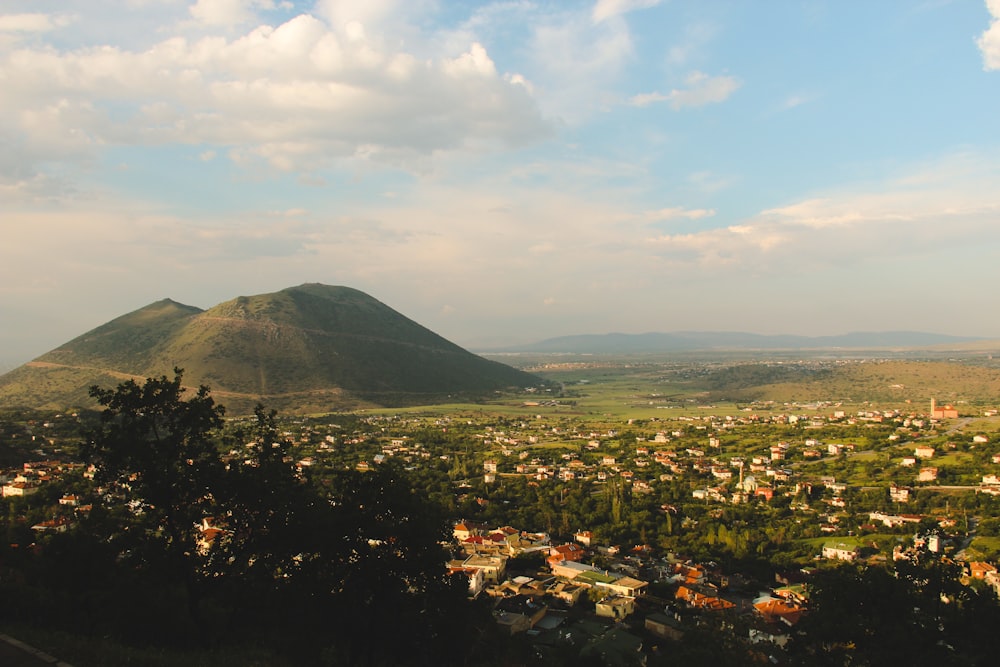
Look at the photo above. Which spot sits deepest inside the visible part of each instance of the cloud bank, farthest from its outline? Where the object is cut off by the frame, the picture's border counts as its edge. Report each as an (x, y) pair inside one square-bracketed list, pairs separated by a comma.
[(298, 95)]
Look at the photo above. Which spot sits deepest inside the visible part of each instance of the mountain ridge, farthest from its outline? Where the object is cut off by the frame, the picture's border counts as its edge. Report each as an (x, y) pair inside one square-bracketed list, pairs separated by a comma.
[(325, 346)]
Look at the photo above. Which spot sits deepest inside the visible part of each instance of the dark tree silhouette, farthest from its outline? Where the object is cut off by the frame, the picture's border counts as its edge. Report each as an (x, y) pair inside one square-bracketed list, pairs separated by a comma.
[(318, 571), (156, 459)]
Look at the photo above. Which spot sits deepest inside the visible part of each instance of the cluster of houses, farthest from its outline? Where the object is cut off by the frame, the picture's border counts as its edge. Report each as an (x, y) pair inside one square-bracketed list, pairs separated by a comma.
[(617, 593), (684, 453), (31, 478), (27, 480)]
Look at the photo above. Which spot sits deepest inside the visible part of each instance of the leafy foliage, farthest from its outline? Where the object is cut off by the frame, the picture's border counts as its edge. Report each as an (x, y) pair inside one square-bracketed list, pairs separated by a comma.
[(916, 613), (315, 573)]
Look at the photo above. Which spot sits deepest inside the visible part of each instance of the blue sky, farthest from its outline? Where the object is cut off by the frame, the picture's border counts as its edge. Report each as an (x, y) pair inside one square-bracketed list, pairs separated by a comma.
[(504, 171)]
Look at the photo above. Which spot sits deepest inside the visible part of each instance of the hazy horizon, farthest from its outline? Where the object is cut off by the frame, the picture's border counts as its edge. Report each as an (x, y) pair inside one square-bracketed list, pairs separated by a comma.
[(504, 172)]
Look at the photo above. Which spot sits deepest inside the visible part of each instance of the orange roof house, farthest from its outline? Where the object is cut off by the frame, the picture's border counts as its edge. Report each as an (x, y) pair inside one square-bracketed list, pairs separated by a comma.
[(774, 610), (702, 600)]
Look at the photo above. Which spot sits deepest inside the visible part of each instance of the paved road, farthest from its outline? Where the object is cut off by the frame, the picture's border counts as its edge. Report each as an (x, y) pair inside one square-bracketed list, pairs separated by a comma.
[(958, 425), (14, 653)]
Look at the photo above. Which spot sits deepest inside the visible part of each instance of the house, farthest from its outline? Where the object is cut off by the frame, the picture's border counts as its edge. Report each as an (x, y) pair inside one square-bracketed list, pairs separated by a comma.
[(626, 586), (519, 614), (584, 537), (617, 607), (840, 551), (703, 597), (19, 489), (463, 531), (209, 531), (477, 581), (664, 626), (57, 525), (570, 569), (566, 591), (493, 566), (893, 520), (980, 570), (899, 494), (765, 492), (774, 610), (927, 474), (923, 452), (687, 574), (564, 552), (518, 586), (793, 593)]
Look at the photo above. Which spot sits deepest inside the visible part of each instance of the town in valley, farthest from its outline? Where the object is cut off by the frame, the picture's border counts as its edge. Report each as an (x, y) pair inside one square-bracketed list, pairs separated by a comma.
[(607, 514)]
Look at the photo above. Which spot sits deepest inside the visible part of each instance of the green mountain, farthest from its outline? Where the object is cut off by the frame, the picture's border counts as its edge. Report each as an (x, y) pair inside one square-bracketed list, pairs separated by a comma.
[(307, 348)]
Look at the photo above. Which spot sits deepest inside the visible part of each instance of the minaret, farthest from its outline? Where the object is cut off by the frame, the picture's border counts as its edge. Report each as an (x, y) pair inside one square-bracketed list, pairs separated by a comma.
[(933, 407)]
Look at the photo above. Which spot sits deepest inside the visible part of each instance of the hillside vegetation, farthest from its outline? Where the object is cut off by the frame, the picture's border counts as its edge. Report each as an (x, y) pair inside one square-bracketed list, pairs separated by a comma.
[(652, 386), (312, 347)]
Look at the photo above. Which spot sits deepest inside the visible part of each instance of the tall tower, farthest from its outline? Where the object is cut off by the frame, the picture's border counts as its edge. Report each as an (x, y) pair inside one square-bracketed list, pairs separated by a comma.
[(933, 407)]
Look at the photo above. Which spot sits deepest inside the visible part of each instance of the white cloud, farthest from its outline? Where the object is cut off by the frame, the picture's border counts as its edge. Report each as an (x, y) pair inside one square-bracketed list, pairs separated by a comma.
[(33, 22), (605, 9), (678, 212), (297, 96), (369, 13), (989, 41), (797, 100), (696, 37), (576, 64), (227, 12), (952, 203), (701, 90), (706, 181)]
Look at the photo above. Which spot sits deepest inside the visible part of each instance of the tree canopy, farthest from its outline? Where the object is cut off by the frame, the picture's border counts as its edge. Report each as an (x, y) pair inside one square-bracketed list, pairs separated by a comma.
[(321, 571)]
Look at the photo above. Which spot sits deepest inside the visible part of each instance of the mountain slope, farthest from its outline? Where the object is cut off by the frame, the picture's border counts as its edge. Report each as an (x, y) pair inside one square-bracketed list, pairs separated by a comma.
[(129, 343), (310, 347)]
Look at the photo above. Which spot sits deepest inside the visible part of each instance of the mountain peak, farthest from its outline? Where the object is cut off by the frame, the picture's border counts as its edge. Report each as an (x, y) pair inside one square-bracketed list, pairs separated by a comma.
[(310, 347)]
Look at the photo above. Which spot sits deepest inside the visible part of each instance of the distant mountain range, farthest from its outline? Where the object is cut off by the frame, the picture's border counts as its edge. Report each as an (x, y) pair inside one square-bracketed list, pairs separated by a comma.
[(685, 341), (307, 348)]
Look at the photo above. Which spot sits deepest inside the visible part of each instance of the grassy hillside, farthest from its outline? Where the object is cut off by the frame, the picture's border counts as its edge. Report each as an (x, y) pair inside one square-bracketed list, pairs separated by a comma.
[(311, 347), (882, 381), (127, 344)]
